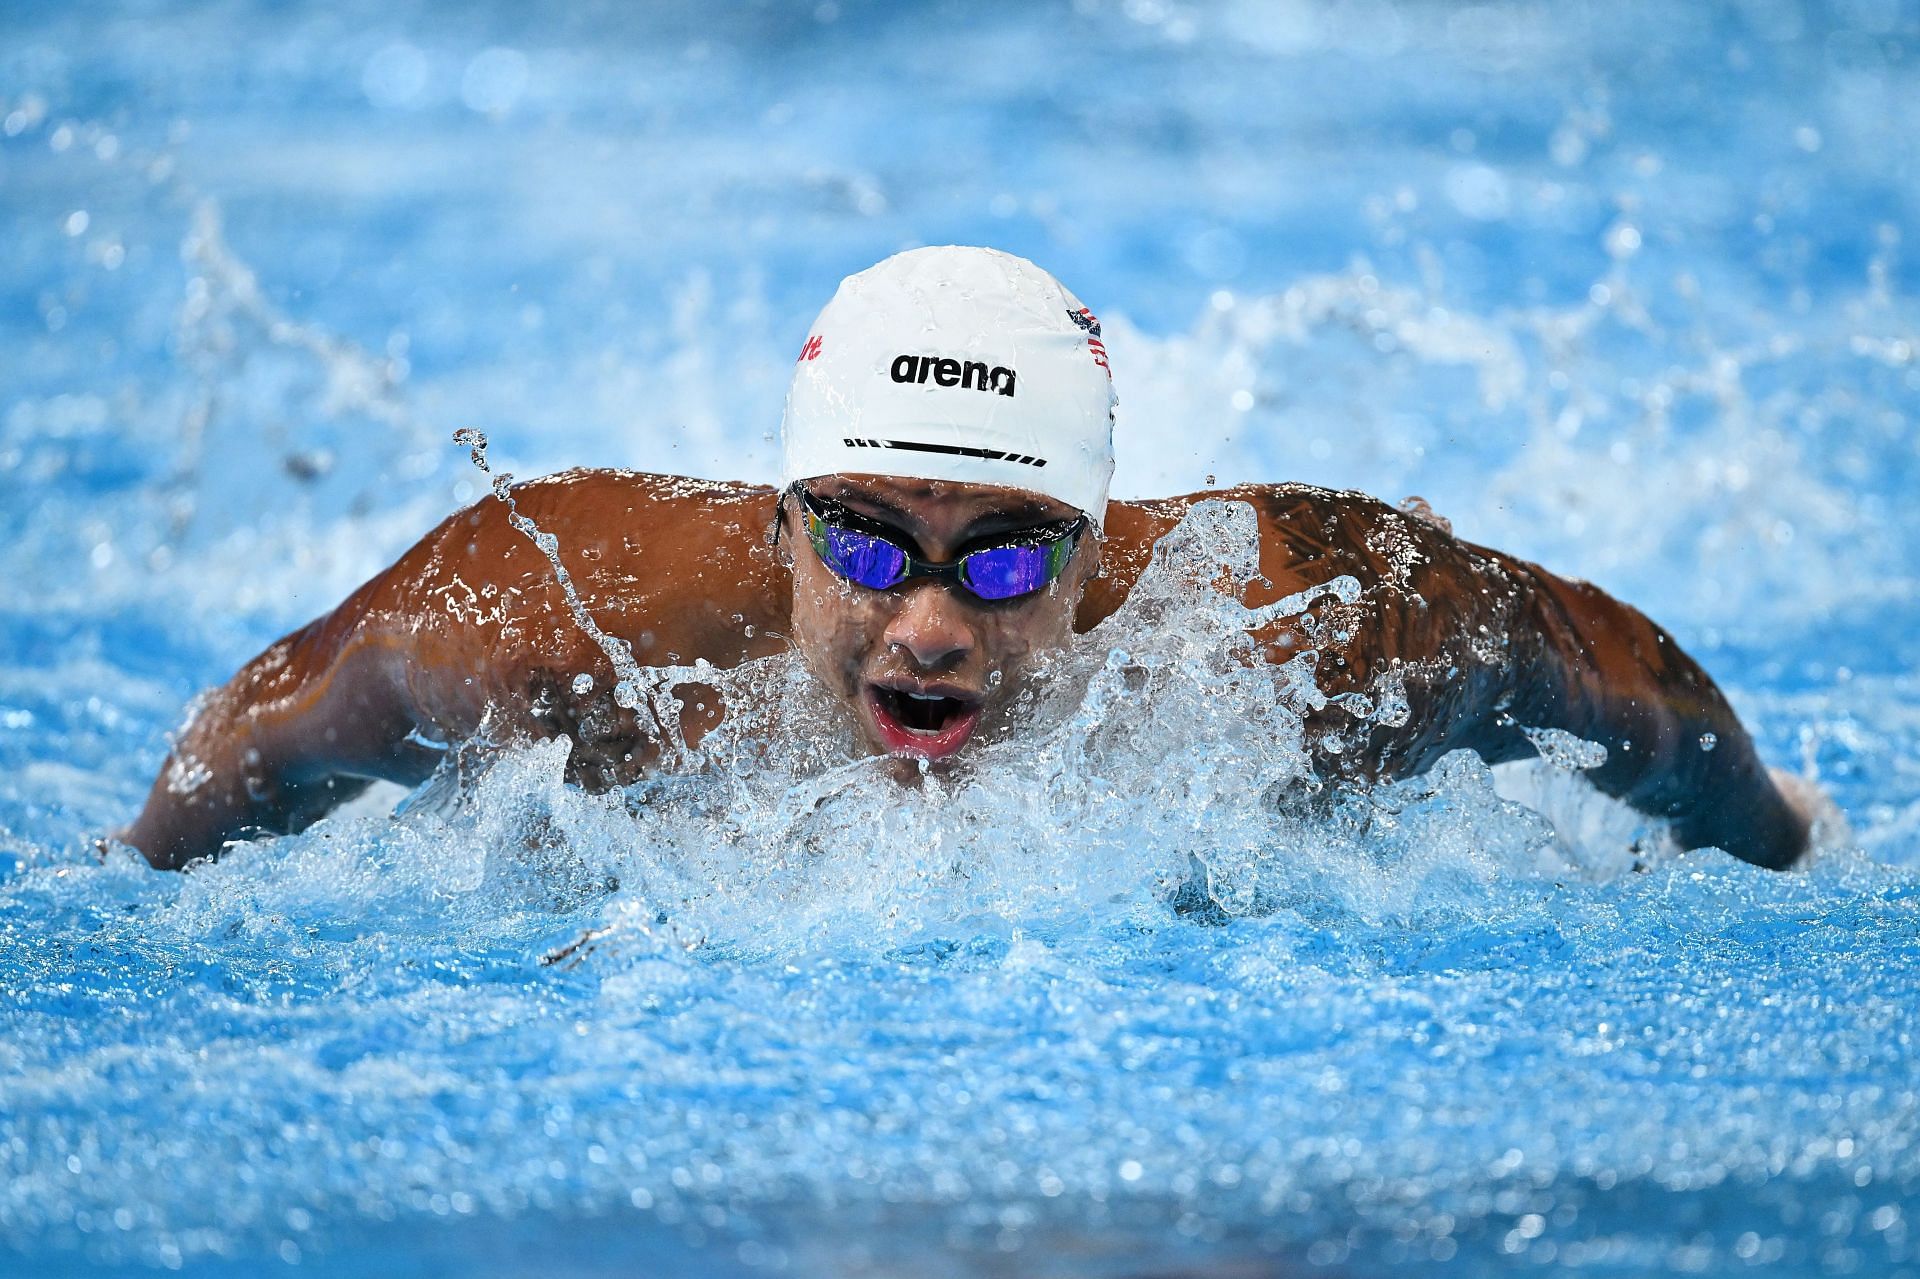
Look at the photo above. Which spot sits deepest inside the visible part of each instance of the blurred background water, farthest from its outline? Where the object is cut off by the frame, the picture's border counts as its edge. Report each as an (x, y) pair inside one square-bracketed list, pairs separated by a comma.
[(1625, 288)]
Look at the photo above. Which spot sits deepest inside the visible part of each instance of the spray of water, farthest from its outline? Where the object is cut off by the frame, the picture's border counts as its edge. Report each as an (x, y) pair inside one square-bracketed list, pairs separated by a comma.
[(635, 687), (1161, 761)]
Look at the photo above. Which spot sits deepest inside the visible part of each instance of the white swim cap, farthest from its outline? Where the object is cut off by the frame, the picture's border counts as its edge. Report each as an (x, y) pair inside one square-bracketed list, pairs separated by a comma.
[(955, 364)]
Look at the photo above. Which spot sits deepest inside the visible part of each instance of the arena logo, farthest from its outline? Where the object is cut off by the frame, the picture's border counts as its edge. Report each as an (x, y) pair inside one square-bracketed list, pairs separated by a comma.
[(971, 374)]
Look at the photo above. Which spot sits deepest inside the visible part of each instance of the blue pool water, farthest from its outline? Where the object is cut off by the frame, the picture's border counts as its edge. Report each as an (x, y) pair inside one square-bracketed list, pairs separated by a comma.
[(1626, 288)]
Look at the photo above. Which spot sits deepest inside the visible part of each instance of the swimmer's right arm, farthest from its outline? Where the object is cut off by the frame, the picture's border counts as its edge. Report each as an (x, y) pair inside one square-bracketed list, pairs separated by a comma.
[(469, 626), (301, 728), (344, 701)]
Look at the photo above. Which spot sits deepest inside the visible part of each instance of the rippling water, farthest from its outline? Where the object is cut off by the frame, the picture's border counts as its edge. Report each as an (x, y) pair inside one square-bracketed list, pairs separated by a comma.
[(1628, 289)]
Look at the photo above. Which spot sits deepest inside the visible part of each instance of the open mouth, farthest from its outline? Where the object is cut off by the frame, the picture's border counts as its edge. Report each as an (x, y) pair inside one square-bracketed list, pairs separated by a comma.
[(929, 723)]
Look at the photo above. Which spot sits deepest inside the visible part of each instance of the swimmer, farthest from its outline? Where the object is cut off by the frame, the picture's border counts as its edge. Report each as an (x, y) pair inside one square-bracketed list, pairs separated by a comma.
[(942, 520)]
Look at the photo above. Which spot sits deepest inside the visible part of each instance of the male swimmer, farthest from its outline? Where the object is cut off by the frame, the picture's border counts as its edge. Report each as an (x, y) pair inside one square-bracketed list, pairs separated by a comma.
[(942, 519)]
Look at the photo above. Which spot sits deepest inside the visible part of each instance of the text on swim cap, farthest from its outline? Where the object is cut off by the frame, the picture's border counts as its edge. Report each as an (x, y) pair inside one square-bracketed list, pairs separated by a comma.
[(971, 374)]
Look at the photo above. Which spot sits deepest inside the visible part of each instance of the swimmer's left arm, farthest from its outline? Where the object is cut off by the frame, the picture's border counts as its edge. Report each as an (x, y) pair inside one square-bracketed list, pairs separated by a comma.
[(1675, 749), (1510, 646), (1486, 646)]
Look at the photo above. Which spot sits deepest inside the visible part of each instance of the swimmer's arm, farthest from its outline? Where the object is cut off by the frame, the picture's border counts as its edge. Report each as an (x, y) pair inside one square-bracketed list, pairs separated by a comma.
[(1600, 669), (1484, 646), (303, 727), (1479, 646), (348, 699), (466, 627)]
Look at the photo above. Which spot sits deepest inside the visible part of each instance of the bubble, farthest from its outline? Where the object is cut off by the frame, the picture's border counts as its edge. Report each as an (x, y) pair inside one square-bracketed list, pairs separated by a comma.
[(1478, 191), (1568, 147), (494, 81), (31, 111), (395, 77), (1623, 240)]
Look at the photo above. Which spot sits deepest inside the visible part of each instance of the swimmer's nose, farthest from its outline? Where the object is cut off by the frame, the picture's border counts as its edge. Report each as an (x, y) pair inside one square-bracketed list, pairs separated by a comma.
[(931, 628)]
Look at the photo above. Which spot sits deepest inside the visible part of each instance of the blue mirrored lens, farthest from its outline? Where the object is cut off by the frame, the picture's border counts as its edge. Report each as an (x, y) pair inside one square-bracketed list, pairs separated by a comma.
[(1006, 571), (860, 557)]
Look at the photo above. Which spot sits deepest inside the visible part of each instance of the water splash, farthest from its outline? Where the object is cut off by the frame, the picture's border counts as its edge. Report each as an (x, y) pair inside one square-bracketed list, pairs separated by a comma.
[(1666, 376), (1567, 751), (978, 988), (1160, 759), (225, 321), (635, 686)]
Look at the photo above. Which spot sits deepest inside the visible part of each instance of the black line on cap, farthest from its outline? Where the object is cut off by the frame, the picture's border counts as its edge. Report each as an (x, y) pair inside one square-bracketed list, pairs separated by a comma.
[(956, 450)]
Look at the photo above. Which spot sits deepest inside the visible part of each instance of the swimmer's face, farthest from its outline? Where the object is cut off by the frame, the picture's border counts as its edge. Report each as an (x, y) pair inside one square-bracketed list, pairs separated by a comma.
[(927, 666)]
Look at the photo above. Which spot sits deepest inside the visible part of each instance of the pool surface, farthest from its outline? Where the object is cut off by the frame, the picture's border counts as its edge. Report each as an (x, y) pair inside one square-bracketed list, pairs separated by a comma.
[(1629, 289)]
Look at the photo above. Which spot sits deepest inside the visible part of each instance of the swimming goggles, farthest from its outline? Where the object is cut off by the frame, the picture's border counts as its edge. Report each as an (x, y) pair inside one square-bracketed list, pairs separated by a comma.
[(1021, 565)]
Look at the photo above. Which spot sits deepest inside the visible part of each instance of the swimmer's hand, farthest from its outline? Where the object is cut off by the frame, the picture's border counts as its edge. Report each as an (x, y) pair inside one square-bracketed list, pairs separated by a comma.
[(1825, 823), (575, 951), (613, 746)]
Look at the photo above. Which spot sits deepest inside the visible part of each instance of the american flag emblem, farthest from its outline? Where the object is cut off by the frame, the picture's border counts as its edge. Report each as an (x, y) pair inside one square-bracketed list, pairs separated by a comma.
[(1087, 320), (811, 350)]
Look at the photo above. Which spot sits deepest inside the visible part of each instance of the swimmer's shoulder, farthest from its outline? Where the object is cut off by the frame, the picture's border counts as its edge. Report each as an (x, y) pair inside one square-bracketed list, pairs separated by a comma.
[(1309, 534), (609, 493), (1305, 514), (623, 524)]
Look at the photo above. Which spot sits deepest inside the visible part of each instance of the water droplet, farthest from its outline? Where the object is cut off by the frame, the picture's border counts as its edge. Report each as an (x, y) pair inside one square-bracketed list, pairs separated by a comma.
[(1623, 240), (395, 77), (494, 81), (582, 684), (1566, 750), (1708, 741)]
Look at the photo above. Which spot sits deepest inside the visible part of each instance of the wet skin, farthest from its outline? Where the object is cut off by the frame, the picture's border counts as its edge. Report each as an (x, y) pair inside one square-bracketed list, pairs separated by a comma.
[(468, 637)]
